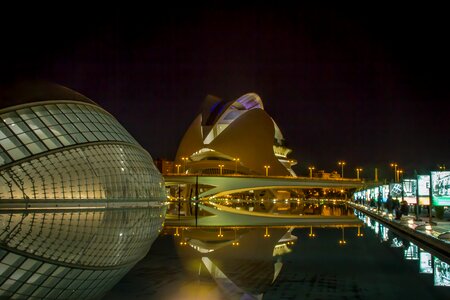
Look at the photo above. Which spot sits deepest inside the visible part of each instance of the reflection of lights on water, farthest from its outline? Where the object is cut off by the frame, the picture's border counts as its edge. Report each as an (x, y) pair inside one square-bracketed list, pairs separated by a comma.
[(359, 232), (235, 241), (396, 243), (266, 235), (412, 252), (384, 233), (441, 273), (425, 263), (342, 241), (311, 234)]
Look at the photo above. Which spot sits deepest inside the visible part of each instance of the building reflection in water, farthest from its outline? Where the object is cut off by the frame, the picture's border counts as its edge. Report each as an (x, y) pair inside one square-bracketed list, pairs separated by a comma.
[(59, 254), (244, 262)]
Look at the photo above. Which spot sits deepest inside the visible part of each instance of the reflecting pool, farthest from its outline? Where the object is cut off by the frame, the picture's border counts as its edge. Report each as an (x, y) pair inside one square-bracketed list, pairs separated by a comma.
[(333, 262)]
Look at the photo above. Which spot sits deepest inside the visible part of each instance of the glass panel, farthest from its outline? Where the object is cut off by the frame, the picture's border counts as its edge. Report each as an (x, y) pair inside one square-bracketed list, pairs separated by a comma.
[(52, 143), (4, 131), (11, 118), (26, 113), (27, 137), (49, 121), (4, 158), (18, 153), (36, 147), (40, 111)]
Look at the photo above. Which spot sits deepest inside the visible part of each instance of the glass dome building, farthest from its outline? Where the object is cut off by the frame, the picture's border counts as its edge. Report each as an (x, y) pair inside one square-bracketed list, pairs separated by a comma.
[(81, 201)]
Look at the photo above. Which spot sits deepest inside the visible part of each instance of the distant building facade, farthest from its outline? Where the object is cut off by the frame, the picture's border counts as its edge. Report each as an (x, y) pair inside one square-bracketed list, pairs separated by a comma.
[(165, 166)]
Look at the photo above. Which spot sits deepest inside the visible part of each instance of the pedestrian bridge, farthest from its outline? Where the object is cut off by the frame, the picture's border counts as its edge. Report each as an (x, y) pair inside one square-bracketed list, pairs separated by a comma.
[(227, 184)]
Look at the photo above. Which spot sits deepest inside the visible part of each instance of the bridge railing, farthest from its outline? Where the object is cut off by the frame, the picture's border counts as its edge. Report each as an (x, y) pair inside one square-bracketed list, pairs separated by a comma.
[(262, 176)]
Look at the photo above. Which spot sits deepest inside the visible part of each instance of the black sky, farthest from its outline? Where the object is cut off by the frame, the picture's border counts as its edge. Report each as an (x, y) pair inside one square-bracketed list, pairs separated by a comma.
[(367, 85)]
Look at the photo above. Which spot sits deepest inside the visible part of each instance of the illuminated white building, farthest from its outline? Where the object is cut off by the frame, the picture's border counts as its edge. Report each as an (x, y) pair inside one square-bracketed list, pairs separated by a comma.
[(234, 137), (81, 201)]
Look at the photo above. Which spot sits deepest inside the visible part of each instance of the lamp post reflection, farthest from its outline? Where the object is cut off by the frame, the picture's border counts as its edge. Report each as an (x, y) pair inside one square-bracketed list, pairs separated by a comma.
[(178, 168), (220, 169), (359, 232), (311, 234), (267, 167), (342, 241), (357, 172), (236, 160), (266, 235)]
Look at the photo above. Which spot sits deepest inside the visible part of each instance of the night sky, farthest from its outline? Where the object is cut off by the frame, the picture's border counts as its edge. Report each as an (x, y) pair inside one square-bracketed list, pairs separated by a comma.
[(368, 85)]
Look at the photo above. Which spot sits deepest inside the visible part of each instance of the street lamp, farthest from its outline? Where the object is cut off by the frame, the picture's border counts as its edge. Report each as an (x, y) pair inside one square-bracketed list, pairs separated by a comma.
[(399, 173), (342, 164), (178, 168), (441, 167), (267, 167), (184, 159), (395, 165), (357, 172), (310, 171), (235, 167), (220, 168)]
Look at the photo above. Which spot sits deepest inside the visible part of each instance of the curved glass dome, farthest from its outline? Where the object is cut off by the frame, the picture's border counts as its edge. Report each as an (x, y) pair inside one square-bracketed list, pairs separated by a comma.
[(80, 200)]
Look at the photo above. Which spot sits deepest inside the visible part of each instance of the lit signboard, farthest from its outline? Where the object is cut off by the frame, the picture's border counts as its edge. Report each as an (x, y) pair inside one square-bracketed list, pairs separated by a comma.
[(425, 262), (395, 189), (376, 192), (423, 182), (385, 190), (441, 273), (409, 190), (440, 186)]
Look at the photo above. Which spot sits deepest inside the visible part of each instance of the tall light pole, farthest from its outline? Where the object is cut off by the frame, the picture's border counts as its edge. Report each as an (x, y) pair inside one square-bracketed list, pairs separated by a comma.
[(220, 168), (357, 172), (441, 167), (236, 160), (185, 159), (267, 167), (395, 165), (399, 173), (342, 164), (178, 168), (310, 171)]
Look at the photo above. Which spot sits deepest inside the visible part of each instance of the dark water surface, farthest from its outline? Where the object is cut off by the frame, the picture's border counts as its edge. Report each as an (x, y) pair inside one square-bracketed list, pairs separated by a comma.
[(378, 265)]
